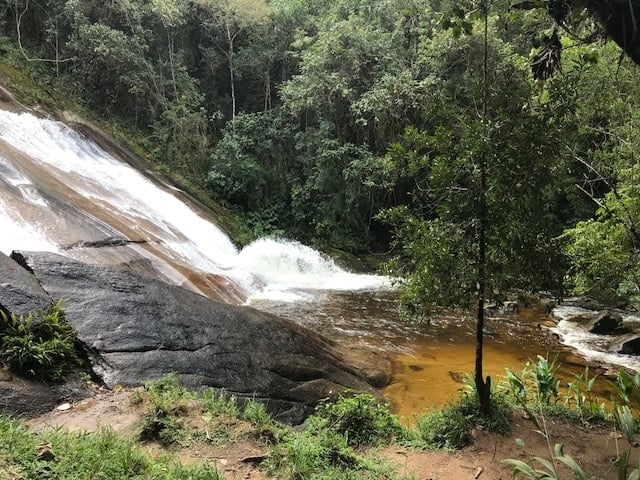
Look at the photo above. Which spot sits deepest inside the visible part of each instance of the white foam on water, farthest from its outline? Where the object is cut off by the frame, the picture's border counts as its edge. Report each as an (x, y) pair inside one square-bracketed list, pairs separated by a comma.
[(27, 189), (19, 235), (94, 173), (591, 346), (285, 267), (268, 268)]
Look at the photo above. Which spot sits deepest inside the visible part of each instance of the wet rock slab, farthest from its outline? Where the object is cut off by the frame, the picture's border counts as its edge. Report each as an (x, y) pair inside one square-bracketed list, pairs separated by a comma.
[(20, 291), (136, 328)]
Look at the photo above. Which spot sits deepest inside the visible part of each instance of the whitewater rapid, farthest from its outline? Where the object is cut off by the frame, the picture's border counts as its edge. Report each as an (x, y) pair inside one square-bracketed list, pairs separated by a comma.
[(596, 348), (58, 189)]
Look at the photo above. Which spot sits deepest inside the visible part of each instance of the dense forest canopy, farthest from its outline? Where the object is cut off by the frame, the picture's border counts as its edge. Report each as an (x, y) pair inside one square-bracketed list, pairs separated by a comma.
[(363, 125)]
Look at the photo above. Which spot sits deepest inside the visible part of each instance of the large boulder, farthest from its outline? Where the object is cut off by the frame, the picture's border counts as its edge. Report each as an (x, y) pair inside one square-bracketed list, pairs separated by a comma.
[(20, 291), (605, 323), (136, 329)]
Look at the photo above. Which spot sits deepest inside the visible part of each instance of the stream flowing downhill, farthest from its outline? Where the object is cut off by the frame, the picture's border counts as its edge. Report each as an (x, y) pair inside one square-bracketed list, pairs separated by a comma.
[(61, 192)]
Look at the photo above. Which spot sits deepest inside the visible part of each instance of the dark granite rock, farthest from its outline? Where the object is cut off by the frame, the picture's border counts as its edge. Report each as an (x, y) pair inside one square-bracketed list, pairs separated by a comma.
[(629, 345), (20, 290), (22, 397), (605, 323), (136, 329)]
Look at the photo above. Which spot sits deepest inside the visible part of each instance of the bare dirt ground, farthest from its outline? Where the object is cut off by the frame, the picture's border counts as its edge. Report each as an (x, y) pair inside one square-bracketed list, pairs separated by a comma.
[(238, 459)]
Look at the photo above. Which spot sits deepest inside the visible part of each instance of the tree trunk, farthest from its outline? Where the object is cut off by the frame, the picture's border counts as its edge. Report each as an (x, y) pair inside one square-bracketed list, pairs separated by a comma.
[(171, 63), (232, 79), (483, 388)]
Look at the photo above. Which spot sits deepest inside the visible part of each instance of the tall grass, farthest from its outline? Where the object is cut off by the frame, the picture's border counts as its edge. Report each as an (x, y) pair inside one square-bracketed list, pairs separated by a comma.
[(61, 455), (536, 389)]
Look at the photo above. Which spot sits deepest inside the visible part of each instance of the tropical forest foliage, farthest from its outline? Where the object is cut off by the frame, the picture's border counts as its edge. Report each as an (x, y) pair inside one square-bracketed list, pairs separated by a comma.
[(397, 126)]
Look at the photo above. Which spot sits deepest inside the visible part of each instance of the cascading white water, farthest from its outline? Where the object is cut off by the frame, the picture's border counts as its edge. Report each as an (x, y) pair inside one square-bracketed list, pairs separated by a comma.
[(17, 233), (285, 267), (58, 188), (94, 174), (596, 348)]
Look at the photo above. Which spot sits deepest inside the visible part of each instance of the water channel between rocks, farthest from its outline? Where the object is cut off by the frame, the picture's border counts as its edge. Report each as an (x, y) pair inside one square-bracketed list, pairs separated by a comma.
[(431, 360)]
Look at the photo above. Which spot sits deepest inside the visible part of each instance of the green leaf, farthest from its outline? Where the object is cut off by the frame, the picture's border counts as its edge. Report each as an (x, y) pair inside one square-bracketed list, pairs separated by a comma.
[(521, 467), (573, 466)]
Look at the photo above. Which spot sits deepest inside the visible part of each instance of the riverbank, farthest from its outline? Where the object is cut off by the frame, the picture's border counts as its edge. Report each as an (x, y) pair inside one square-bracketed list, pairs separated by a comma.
[(241, 449)]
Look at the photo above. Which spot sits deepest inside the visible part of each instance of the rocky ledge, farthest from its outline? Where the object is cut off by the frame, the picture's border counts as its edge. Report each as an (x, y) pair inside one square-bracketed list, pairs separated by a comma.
[(134, 329)]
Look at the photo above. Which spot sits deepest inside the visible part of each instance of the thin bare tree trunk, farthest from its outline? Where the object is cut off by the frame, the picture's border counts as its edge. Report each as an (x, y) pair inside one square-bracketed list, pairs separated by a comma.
[(483, 387)]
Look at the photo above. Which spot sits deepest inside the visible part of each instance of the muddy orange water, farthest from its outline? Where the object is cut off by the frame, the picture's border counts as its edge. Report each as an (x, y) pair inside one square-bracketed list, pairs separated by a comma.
[(431, 360)]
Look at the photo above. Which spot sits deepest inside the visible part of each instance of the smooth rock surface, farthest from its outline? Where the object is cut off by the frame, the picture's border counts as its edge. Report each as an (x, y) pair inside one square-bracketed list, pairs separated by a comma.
[(136, 328), (20, 291), (605, 323), (22, 397)]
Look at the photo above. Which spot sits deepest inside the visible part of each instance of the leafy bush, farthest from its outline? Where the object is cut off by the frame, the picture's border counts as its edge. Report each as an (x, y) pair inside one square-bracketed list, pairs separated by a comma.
[(580, 397), (627, 388), (361, 418), (450, 428), (256, 414), (219, 403), (323, 455), (536, 384), (579, 405), (536, 389), (445, 429), (41, 345), (324, 449)]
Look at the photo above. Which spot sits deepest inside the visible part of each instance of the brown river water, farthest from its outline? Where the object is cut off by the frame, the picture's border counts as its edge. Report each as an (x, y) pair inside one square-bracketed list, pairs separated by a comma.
[(431, 360)]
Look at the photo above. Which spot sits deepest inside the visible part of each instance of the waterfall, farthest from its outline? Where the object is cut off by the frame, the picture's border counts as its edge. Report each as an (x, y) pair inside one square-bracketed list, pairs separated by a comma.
[(61, 192)]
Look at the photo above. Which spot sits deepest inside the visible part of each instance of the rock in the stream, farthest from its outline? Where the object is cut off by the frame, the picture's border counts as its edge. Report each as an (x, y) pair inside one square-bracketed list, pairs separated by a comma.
[(136, 328), (628, 345), (605, 323)]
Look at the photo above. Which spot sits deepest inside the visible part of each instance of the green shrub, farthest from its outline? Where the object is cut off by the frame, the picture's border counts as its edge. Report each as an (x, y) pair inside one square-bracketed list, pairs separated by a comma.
[(324, 449), (42, 344), (581, 399), (167, 392), (164, 428), (580, 405), (361, 418), (256, 414), (444, 429), (307, 454), (627, 388), (537, 391), (450, 428), (323, 455)]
